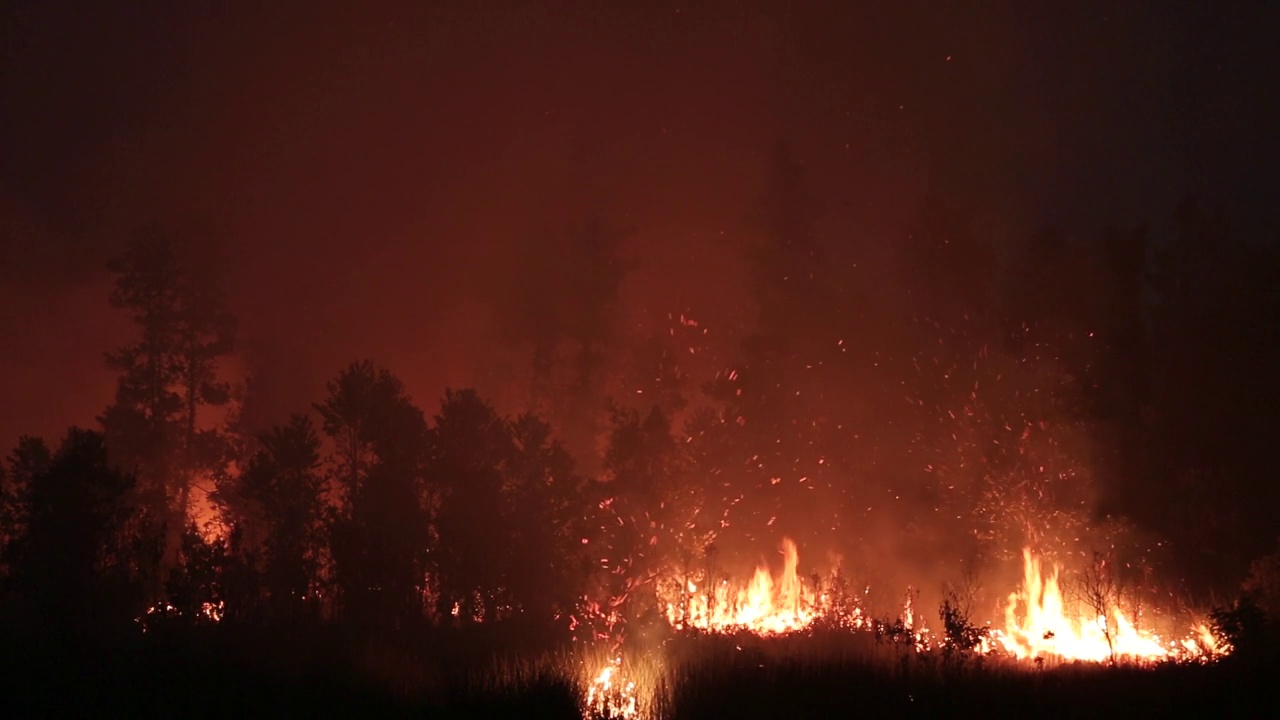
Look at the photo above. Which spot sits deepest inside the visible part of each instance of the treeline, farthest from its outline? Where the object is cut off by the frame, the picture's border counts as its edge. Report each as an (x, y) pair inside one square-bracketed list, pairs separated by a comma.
[(362, 509), (469, 517), (980, 395)]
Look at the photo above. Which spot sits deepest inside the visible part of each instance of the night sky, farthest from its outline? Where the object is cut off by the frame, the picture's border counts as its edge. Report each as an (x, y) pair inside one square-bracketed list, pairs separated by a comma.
[(370, 173)]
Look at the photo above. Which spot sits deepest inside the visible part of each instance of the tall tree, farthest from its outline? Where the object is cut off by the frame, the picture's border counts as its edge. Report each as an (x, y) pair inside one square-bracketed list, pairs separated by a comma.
[(72, 563), (571, 326), (8, 521), (379, 532), (642, 468), (284, 481), (472, 444), (544, 514), (30, 458), (169, 374)]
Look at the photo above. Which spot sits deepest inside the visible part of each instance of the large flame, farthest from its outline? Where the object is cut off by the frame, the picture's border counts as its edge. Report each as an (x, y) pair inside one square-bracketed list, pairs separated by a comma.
[(1040, 623), (768, 605), (1039, 620)]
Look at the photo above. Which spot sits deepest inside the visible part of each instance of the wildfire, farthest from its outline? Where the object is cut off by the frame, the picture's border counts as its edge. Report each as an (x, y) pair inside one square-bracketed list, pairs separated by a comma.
[(611, 694), (767, 605), (1039, 620), (165, 611), (1039, 623)]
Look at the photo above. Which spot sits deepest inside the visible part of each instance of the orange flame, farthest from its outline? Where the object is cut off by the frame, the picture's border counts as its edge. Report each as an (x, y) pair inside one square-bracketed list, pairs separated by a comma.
[(610, 694), (1040, 623), (766, 606)]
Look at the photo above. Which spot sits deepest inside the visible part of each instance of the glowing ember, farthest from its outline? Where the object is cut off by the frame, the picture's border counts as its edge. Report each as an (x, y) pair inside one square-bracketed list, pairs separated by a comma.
[(766, 606), (1040, 623), (212, 611), (165, 611)]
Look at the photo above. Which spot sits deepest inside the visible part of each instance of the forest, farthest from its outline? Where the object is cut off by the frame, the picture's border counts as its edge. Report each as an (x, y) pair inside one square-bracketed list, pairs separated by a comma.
[(650, 361), (1081, 399)]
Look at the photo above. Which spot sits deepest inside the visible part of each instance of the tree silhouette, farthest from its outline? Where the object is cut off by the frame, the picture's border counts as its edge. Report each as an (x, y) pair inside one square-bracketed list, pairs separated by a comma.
[(379, 533), (642, 466), (472, 445), (9, 518), (30, 458), (283, 480), (576, 276), (72, 564), (544, 517), (169, 374), (195, 588)]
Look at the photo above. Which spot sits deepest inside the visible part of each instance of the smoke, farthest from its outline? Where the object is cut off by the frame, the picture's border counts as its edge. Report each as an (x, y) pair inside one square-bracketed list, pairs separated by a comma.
[(381, 179)]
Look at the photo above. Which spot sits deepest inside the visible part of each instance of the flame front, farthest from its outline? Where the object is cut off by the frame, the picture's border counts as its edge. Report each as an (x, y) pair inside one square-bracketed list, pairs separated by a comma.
[(766, 606), (1040, 623)]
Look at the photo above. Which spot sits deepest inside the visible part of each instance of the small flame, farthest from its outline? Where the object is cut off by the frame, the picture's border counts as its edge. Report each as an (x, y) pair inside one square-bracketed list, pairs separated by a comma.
[(611, 694)]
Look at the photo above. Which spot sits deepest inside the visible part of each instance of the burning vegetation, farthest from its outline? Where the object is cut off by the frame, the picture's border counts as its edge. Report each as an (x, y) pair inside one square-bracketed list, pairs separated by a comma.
[(633, 570), (767, 605), (1041, 624), (597, 534)]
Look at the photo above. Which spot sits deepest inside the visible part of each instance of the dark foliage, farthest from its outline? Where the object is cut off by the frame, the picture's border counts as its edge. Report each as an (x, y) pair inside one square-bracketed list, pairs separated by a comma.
[(173, 294), (378, 534), (71, 567), (1253, 636), (962, 637), (284, 482), (817, 689)]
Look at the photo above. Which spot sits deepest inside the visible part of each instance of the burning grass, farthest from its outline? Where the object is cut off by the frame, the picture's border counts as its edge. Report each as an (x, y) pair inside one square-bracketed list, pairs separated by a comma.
[(778, 645), (767, 605), (778, 630), (1040, 620)]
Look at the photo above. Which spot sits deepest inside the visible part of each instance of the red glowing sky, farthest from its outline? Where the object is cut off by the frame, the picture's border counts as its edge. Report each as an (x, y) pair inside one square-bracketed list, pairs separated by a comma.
[(372, 172)]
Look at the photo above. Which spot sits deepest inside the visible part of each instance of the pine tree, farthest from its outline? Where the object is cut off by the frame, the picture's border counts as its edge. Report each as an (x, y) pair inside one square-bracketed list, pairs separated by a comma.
[(471, 446), (284, 481), (168, 375), (73, 563), (29, 459), (379, 532)]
